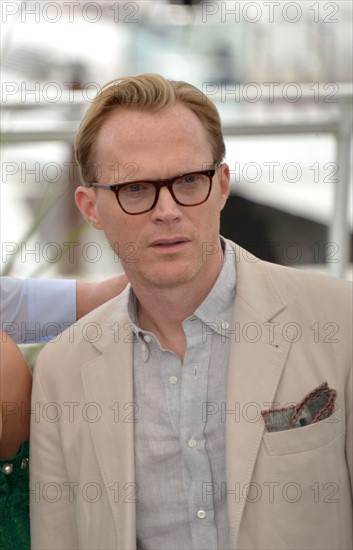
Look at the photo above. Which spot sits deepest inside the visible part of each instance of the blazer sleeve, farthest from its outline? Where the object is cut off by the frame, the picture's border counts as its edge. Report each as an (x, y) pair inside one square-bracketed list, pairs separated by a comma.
[(52, 510)]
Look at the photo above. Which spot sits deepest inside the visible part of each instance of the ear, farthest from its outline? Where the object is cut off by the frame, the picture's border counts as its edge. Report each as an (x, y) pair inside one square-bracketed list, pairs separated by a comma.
[(224, 175), (86, 200)]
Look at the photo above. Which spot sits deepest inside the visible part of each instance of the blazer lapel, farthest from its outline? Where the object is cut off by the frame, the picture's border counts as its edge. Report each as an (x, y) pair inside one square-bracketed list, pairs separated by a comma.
[(108, 384), (258, 355)]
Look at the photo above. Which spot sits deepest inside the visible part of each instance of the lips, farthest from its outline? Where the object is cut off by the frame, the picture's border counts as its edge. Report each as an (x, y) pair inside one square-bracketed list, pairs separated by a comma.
[(169, 242)]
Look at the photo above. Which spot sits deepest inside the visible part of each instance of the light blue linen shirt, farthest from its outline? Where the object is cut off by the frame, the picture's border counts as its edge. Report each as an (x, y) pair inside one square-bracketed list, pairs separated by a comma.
[(180, 436)]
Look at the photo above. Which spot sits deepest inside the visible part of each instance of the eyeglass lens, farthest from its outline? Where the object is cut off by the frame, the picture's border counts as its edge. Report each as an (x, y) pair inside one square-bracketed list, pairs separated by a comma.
[(188, 190)]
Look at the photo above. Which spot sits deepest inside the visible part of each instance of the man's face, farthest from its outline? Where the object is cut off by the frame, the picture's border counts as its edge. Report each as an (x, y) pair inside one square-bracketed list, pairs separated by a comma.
[(170, 245)]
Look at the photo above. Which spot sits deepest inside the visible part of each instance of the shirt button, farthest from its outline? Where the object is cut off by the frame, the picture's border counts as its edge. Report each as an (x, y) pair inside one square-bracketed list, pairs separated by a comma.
[(147, 338), (201, 514), (192, 443), (173, 380), (225, 325)]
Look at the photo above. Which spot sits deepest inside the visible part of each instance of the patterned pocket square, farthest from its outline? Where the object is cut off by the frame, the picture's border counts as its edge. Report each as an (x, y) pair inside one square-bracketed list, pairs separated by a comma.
[(317, 405)]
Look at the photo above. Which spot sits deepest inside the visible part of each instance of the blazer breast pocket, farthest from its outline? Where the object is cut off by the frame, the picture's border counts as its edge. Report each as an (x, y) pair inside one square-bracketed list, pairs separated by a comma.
[(306, 438)]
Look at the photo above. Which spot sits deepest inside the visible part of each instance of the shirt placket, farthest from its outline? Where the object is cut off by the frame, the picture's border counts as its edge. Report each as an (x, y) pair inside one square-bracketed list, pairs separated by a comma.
[(196, 465)]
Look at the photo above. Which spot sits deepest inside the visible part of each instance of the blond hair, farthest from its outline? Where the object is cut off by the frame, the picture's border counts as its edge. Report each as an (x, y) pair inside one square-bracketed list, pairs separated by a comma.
[(150, 92)]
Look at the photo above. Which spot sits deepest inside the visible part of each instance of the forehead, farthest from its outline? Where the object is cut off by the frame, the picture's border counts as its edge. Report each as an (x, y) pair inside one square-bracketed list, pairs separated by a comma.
[(172, 136)]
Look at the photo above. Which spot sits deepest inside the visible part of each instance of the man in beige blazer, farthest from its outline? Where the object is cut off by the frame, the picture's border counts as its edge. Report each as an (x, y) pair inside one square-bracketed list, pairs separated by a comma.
[(118, 460)]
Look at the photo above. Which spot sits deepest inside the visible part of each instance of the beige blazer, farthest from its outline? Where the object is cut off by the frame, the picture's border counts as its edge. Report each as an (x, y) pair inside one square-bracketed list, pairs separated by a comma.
[(285, 490)]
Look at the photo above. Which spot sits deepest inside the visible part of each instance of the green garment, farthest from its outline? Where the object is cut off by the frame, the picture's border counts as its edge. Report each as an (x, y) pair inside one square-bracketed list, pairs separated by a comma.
[(14, 501)]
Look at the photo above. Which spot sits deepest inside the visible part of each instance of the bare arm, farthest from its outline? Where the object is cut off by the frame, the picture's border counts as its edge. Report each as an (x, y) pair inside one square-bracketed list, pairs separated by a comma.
[(91, 295), (15, 396)]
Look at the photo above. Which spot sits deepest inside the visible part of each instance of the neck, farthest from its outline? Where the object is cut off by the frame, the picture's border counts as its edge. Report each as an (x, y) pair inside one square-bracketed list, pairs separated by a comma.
[(163, 310)]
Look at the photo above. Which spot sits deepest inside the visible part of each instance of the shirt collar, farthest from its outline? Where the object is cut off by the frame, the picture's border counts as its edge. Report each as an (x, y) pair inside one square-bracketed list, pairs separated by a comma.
[(132, 313), (217, 308)]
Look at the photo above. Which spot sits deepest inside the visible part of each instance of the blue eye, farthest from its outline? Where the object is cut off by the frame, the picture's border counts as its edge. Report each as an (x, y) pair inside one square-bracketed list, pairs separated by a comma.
[(134, 188), (190, 179)]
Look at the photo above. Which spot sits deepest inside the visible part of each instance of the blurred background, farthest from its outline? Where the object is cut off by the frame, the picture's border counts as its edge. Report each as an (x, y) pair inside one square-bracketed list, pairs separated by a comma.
[(280, 74)]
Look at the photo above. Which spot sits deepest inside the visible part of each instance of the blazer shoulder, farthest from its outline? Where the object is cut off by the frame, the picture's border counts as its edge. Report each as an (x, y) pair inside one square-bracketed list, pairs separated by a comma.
[(287, 278), (305, 291), (312, 291), (317, 282)]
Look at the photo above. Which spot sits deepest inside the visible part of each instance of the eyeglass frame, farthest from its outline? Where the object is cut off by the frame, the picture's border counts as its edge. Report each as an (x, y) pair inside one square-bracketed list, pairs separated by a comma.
[(158, 184)]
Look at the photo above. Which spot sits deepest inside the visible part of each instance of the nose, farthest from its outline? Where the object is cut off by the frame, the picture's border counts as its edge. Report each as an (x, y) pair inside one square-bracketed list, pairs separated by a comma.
[(166, 209)]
